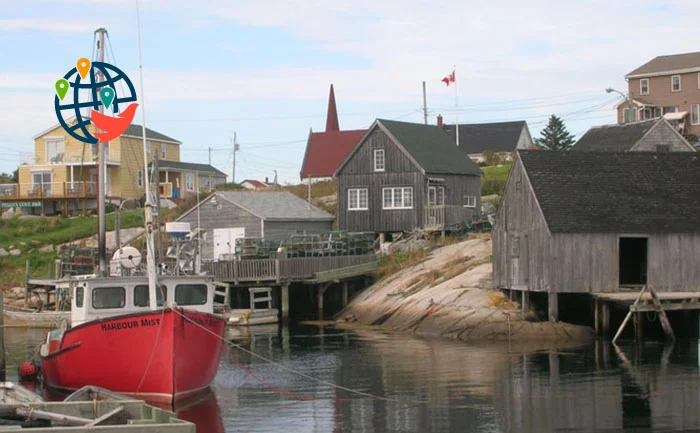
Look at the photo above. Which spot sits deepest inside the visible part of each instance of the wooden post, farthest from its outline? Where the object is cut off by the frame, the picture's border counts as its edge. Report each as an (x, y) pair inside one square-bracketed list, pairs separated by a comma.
[(285, 303), (2, 341), (596, 317), (553, 306), (26, 284), (320, 302), (525, 301), (662, 315), (227, 296), (629, 314), (639, 326), (605, 316), (345, 293)]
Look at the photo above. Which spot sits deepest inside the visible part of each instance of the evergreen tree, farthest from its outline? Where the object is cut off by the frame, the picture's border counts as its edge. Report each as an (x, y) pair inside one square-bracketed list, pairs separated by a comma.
[(555, 136)]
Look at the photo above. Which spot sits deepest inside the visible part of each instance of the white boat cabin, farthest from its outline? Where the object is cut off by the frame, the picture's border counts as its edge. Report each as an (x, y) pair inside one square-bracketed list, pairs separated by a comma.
[(97, 298)]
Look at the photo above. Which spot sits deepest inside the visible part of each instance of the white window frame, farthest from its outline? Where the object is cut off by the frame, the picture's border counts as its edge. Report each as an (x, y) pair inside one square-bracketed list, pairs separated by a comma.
[(139, 178), (695, 110), (625, 115), (469, 201), (438, 194), (679, 83), (162, 151), (189, 182), (391, 204), (56, 141), (355, 203), (375, 159), (641, 87)]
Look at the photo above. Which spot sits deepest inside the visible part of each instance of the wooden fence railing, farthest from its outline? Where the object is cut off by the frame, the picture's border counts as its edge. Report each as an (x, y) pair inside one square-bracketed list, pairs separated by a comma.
[(292, 269)]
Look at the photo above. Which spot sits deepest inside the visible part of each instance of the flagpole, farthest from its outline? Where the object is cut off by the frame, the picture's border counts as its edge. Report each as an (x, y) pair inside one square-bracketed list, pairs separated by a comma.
[(454, 72)]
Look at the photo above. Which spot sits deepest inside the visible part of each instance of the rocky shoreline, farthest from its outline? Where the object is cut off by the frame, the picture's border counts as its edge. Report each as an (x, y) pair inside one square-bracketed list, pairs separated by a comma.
[(450, 295)]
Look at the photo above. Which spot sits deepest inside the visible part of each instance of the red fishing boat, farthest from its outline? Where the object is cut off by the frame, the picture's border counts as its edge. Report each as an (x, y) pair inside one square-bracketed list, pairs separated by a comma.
[(152, 336)]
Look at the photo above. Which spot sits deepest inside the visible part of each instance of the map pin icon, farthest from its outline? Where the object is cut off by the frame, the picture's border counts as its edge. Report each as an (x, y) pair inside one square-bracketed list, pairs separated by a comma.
[(107, 96), (83, 66), (62, 86)]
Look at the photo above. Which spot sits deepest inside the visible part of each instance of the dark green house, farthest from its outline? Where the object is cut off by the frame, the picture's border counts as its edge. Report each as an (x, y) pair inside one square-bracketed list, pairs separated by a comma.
[(402, 176)]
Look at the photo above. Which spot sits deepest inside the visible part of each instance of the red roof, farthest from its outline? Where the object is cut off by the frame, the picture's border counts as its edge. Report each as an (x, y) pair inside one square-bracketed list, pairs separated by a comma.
[(326, 150), (255, 183)]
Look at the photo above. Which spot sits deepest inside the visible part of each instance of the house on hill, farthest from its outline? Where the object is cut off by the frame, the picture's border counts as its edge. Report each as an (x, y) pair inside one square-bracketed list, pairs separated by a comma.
[(402, 176), (647, 136), (228, 215), (667, 86), (254, 184), (594, 222), (62, 175), (326, 150), (501, 138)]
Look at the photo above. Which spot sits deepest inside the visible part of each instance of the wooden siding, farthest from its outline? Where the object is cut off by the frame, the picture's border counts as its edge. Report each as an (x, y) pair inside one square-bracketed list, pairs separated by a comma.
[(521, 239), (399, 172), (674, 262), (281, 230), (662, 135), (222, 215)]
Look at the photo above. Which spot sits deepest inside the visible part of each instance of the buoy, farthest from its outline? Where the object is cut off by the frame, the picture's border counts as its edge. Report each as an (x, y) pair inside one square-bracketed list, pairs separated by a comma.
[(28, 371)]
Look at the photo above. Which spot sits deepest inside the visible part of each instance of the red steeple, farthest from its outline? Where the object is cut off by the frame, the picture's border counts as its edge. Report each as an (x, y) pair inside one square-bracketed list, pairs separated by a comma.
[(332, 116)]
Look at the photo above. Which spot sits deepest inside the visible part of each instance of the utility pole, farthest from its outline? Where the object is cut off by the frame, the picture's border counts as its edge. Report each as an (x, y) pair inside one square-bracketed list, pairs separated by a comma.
[(209, 155), (275, 177), (235, 149), (101, 169), (425, 106)]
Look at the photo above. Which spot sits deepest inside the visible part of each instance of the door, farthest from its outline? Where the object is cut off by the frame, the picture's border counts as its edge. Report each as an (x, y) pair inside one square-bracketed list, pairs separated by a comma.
[(519, 269), (225, 240), (41, 183)]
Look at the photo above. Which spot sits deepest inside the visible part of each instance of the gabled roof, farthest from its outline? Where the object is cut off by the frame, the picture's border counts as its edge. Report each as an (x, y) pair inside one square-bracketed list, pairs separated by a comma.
[(255, 183), (604, 192), (477, 138), (613, 138), (189, 166), (134, 131), (275, 205), (326, 150), (430, 147), (664, 65)]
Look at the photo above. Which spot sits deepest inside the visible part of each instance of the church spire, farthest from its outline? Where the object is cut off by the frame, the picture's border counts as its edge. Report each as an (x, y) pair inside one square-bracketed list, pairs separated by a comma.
[(332, 116)]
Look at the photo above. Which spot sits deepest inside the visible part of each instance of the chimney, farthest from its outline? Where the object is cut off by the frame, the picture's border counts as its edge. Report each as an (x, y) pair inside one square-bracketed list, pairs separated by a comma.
[(439, 120), (266, 180)]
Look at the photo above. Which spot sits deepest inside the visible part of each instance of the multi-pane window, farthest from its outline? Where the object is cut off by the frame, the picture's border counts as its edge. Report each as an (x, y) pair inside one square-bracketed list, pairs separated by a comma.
[(189, 181), (670, 109), (379, 162), (695, 114), (436, 196), (469, 201), (397, 198), (357, 199), (676, 83), (644, 86), (55, 148)]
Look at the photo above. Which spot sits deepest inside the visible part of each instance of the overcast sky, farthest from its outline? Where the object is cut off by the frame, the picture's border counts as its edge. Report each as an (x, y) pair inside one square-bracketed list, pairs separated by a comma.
[(263, 68)]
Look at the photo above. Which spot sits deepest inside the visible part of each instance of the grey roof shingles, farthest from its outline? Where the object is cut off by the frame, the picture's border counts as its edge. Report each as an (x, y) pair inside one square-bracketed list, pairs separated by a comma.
[(673, 62), (190, 166), (613, 138), (475, 138), (134, 130), (431, 147), (604, 192), (275, 205)]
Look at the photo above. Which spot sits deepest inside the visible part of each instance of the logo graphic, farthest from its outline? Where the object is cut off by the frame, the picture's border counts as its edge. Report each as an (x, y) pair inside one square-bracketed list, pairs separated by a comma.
[(79, 89)]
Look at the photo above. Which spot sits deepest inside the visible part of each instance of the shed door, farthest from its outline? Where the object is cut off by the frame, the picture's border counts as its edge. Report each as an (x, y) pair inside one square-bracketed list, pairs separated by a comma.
[(518, 251), (225, 240)]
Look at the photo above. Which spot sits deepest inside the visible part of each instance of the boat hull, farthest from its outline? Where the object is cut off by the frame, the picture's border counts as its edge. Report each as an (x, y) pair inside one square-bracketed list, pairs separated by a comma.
[(160, 356)]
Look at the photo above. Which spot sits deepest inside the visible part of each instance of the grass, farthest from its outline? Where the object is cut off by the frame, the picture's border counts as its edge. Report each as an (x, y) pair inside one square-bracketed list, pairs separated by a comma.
[(393, 263), (28, 235), (494, 179)]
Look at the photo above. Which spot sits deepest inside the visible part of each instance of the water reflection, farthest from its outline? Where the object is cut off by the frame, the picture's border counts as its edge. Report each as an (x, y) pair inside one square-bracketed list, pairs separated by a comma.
[(404, 384)]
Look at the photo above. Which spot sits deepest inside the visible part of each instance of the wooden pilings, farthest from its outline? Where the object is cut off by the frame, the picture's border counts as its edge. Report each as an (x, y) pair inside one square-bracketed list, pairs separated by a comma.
[(525, 301), (2, 341), (553, 306), (285, 303)]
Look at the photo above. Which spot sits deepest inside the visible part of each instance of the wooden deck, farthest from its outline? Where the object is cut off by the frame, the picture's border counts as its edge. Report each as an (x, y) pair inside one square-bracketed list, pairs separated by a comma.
[(669, 300), (313, 269)]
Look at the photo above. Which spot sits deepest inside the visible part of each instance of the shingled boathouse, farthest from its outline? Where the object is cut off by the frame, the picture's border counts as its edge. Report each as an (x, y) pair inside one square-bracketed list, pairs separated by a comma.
[(600, 225)]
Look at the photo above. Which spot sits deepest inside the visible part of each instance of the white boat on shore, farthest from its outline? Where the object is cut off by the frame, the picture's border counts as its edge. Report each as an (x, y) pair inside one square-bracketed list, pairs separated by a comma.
[(18, 316)]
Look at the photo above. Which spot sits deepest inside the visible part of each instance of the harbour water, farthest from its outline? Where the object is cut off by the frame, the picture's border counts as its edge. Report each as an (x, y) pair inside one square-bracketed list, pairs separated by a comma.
[(335, 380)]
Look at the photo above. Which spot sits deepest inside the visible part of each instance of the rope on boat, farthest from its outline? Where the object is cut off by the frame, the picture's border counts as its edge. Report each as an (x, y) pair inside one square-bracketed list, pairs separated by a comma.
[(291, 370)]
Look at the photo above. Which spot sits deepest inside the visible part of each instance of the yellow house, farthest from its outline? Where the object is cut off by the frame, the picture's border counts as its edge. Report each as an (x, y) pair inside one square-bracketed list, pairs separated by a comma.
[(63, 174)]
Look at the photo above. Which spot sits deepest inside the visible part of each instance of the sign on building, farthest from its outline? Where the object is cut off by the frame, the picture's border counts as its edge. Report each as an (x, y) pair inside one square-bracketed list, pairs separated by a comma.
[(12, 204)]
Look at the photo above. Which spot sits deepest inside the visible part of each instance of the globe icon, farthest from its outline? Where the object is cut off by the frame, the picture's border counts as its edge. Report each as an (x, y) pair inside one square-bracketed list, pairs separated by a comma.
[(84, 94)]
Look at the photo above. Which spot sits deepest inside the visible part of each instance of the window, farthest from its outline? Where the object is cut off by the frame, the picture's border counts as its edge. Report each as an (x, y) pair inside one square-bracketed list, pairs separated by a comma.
[(676, 83), (189, 181), (695, 114), (162, 151), (441, 196), (663, 148), (108, 297), (191, 294), (54, 150), (142, 299), (670, 110), (436, 196), (469, 201), (644, 86), (79, 296), (139, 178), (625, 115), (646, 114), (397, 198), (41, 181), (379, 162), (658, 112), (357, 199)]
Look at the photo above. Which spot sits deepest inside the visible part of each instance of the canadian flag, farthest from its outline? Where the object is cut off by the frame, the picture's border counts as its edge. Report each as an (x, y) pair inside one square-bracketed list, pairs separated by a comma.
[(449, 79)]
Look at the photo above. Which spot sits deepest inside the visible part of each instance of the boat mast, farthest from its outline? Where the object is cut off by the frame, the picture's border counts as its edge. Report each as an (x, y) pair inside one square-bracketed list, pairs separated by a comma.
[(150, 252), (101, 169)]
